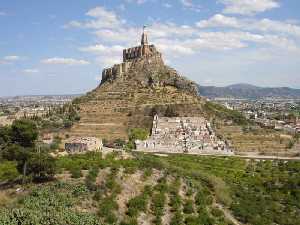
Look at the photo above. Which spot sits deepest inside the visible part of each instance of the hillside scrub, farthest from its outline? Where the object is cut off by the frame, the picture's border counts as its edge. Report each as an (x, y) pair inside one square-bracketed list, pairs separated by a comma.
[(256, 192), (18, 144), (221, 112)]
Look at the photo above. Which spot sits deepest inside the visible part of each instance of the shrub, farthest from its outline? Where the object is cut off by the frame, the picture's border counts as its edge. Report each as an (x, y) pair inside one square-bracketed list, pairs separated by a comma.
[(188, 207), (216, 212), (91, 178), (76, 172), (158, 202), (147, 173), (24, 132), (136, 205), (177, 219), (129, 221), (8, 171), (41, 166), (50, 204), (138, 134), (106, 210)]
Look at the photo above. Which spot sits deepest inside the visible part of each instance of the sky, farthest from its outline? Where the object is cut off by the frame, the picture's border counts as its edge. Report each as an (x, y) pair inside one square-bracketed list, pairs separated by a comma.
[(61, 46)]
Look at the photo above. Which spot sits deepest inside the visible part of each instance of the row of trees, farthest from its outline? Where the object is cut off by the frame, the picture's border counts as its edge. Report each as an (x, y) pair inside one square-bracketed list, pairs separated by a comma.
[(19, 147)]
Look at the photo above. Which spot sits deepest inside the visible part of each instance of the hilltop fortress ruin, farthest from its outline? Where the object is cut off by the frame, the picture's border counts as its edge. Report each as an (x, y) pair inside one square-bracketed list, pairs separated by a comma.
[(145, 55), (129, 55), (132, 92)]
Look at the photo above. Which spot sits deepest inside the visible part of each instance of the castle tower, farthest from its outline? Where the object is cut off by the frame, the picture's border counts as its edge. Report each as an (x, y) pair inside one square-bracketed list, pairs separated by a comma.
[(144, 40), (144, 43), (144, 49)]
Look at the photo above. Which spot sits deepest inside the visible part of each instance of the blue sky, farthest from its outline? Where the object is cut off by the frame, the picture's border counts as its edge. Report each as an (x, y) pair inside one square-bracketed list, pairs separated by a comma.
[(61, 46)]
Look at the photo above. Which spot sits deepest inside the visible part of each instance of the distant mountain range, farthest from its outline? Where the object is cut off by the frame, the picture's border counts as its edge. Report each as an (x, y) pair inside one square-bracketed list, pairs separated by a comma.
[(248, 91)]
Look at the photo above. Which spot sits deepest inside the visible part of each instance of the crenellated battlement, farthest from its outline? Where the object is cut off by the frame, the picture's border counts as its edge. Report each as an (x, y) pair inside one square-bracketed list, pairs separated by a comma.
[(129, 56)]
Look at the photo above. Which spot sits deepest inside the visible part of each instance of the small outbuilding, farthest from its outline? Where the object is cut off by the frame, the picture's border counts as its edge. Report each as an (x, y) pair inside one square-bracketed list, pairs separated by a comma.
[(77, 145)]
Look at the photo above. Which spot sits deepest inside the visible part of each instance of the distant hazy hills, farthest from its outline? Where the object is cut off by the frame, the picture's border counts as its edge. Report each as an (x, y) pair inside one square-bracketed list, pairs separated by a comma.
[(248, 91)]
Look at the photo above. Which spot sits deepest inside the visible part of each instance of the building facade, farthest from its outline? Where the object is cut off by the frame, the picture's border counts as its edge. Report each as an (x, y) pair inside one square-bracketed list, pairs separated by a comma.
[(79, 145)]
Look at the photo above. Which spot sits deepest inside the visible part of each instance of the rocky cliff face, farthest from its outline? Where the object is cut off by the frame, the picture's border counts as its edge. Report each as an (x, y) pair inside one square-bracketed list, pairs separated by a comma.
[(150, 72), (129, 98)]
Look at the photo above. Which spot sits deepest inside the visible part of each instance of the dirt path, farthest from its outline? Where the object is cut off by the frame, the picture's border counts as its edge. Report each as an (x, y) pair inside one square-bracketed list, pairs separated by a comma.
[(227, 214), (246, 156)]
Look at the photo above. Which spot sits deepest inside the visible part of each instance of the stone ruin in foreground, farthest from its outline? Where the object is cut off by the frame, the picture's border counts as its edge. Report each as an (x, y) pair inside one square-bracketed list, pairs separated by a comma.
[(192, 135)]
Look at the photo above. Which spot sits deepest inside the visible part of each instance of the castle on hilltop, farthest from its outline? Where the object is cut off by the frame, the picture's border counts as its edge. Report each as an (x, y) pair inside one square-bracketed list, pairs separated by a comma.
[(129, 56), (143, 50)]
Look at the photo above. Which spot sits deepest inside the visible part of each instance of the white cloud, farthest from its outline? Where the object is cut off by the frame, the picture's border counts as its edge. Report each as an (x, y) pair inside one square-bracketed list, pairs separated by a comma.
[(248, 7), (175, 40), (263, 25), (108, 61), (31, 71), (65, 61), (106, 55), (121, 7), (125, 34), (73, 23), (11, 58), (101, 49), (2, 13), (139, 2), (189, 4), (102, 18), (219, 20), (167, 5)]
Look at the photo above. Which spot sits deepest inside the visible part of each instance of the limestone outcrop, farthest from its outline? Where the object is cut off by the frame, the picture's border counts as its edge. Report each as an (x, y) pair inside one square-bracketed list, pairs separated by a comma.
[(148, 72)]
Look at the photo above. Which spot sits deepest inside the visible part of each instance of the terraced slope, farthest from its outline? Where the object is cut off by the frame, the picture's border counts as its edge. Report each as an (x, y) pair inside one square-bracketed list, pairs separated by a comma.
[(131, 100)]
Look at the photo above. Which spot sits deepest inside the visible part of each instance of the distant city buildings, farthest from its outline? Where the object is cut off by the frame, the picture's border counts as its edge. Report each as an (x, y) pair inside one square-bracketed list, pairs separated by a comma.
[(273, 113), (12, 108)]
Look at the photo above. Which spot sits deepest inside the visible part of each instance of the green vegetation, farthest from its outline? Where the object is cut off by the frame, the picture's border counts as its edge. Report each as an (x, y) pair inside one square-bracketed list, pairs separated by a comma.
[(159, 200), (255, 192), (51, 204), (8, 171), (18, 146), (136, 134), (176, 203), (58, 118), (138, 204), (221, 112)]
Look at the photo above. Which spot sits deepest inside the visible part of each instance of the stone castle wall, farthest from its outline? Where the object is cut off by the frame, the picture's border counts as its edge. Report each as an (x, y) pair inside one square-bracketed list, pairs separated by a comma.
[(130, 56), (110, 74), (145, 64)]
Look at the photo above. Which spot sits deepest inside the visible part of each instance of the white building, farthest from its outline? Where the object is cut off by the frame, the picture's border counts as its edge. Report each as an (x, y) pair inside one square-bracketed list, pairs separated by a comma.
[(183, 135)]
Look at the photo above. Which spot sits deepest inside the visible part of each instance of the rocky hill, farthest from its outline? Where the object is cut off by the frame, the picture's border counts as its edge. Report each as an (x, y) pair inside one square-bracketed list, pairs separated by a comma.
[(248, 91), (130, 94)]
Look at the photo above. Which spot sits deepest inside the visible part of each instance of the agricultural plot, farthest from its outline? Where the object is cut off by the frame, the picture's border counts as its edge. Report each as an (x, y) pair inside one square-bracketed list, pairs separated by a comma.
[(147, 189)]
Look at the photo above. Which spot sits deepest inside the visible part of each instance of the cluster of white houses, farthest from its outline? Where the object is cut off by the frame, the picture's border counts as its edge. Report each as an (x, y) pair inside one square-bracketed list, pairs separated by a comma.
[(169, 135), (183, 135)]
